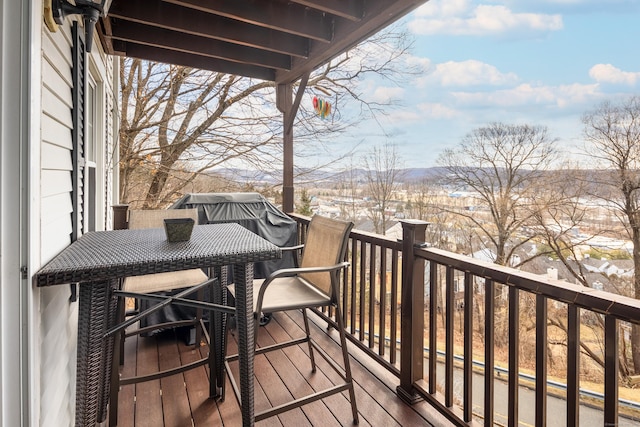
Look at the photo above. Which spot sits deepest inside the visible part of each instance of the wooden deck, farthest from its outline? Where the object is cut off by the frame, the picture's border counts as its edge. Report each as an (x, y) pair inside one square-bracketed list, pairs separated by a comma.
[(182, 400)]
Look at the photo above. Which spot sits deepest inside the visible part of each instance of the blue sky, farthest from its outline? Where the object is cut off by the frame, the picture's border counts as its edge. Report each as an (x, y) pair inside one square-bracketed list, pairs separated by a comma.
[(542, 62)]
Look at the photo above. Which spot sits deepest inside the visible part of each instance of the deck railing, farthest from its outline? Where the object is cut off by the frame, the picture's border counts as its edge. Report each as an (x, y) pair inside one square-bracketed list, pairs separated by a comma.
[(396, 294)]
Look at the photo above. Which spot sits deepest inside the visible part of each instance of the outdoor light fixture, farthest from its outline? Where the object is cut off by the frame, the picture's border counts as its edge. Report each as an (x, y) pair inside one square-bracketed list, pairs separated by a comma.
[(90, 10)]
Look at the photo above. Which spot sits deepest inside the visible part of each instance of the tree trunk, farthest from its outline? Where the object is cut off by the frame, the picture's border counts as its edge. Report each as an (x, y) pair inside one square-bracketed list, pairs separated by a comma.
[(635, 347)]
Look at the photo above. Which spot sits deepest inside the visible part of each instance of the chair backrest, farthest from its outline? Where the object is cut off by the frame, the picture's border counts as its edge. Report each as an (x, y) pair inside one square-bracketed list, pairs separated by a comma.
[(154, 218), (325, 246)]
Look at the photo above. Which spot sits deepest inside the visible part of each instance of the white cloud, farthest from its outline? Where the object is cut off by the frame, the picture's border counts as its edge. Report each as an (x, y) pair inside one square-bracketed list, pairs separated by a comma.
[(402, 117), (384, 94), (461, 18), (443, 8), (417, 62), (526, 95), (436, 111), (607, 73), (421, 113), (468, 73)]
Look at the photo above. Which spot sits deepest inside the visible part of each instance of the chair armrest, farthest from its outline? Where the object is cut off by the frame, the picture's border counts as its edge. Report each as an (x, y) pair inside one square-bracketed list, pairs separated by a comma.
[(286, 272), (283, 272), (294, 251)]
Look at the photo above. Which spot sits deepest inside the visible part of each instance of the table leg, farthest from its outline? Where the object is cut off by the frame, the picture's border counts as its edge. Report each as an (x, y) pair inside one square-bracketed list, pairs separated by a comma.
[(108, 349), (91, 358), (243, 275), (217, 328)]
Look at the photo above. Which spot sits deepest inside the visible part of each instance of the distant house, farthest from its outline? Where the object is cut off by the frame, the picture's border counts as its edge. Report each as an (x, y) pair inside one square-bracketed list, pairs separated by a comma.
[(620, 268), (484, 254)]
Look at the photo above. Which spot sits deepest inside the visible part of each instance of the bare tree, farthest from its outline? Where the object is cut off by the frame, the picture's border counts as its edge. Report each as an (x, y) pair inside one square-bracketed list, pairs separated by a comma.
[(350, 192), (560, 212), (179, 122), (425, 204), (612, 135), (501, 165), (383, 174)]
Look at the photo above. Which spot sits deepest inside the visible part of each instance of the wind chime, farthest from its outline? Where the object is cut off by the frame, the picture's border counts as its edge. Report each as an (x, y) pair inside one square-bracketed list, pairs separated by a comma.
[(322, 107)]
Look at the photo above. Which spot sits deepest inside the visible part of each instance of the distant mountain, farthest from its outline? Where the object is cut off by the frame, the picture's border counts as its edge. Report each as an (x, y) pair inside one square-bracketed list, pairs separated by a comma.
[(320, 176), (360, 175), (419, 174)]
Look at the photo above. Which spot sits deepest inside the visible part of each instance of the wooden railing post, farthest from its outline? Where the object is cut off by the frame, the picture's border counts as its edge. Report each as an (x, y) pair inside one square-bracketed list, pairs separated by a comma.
[(120, 217), (412, 311)]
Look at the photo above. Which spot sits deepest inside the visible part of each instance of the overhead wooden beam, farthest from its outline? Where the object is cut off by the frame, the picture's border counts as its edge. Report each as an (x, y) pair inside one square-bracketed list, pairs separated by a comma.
[(377, 15), (190, 21), (103, 29), (196, 61), (281, 16), (189, 43), (352, 10), (284, 102)]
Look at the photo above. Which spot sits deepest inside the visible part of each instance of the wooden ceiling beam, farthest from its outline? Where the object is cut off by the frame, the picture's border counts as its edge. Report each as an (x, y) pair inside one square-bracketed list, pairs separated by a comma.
[(352, 10), (190, 21), (151, 53), (281, 16), (254, 38), (377, 15), (188, 43)]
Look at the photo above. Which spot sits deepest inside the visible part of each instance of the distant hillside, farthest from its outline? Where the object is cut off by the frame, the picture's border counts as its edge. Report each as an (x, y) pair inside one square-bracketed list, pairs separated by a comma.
[(319, 176), (411, 175)]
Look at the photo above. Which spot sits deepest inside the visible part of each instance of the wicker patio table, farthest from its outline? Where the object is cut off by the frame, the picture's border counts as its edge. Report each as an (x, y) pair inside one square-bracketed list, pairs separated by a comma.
[(99, 260)]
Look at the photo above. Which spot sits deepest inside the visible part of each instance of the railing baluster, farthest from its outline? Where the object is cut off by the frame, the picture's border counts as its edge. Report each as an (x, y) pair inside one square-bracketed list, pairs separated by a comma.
[(489, 354), (354, 275), (514, 355), (394, 307), (372, 295), (433, 325), (610, 371), (363, 292), (541, 360), (345, 288), (449, 333), (573, 365), (383, 301), (468, 346)]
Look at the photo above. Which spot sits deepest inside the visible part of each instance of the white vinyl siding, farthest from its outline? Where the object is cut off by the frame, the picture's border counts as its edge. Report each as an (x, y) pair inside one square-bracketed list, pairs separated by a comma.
[(58, 316), (58, 322)]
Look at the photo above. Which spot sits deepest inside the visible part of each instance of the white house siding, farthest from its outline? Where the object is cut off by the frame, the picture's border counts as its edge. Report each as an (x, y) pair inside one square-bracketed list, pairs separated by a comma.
[(58, 316)]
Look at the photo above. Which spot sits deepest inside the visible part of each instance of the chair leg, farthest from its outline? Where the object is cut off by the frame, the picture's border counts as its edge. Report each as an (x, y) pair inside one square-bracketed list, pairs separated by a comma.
[(347, 364), (307, 331), (198, 324)]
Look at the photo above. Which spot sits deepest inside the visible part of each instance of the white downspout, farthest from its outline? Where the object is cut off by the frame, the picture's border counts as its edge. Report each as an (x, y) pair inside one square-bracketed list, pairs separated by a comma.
[(19, 122)]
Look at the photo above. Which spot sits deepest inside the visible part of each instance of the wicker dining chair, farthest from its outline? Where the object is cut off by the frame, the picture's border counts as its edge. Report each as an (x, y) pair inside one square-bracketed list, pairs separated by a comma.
[(315, 283), (187, 281)]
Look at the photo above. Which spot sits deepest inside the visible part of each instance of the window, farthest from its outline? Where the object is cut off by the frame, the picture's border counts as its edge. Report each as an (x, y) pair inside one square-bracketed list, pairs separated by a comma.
[(90, 159)]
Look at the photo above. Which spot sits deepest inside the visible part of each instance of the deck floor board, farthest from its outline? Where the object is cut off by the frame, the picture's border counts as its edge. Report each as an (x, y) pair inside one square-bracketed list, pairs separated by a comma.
[(182, 400)]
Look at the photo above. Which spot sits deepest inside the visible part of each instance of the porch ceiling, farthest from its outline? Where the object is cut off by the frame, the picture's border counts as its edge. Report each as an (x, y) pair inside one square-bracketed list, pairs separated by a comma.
[(276, 40)]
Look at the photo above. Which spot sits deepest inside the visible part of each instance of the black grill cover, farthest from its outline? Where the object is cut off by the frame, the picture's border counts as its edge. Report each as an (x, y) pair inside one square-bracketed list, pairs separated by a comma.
[(253, 212)]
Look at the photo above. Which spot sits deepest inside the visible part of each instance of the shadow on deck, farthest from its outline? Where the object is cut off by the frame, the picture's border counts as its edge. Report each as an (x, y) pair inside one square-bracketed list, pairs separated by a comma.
[(182, 400)]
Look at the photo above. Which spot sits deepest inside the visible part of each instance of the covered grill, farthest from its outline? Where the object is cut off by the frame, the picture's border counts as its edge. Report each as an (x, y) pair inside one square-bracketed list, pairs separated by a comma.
[(251, 210)]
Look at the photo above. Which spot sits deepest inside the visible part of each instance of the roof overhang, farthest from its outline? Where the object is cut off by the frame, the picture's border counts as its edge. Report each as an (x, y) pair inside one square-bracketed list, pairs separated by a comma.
[(275, 40)]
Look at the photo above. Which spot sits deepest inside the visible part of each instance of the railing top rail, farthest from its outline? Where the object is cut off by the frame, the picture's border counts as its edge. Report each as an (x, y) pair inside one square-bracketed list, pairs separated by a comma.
[(622, 307), (373, 238), (376, 239)]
